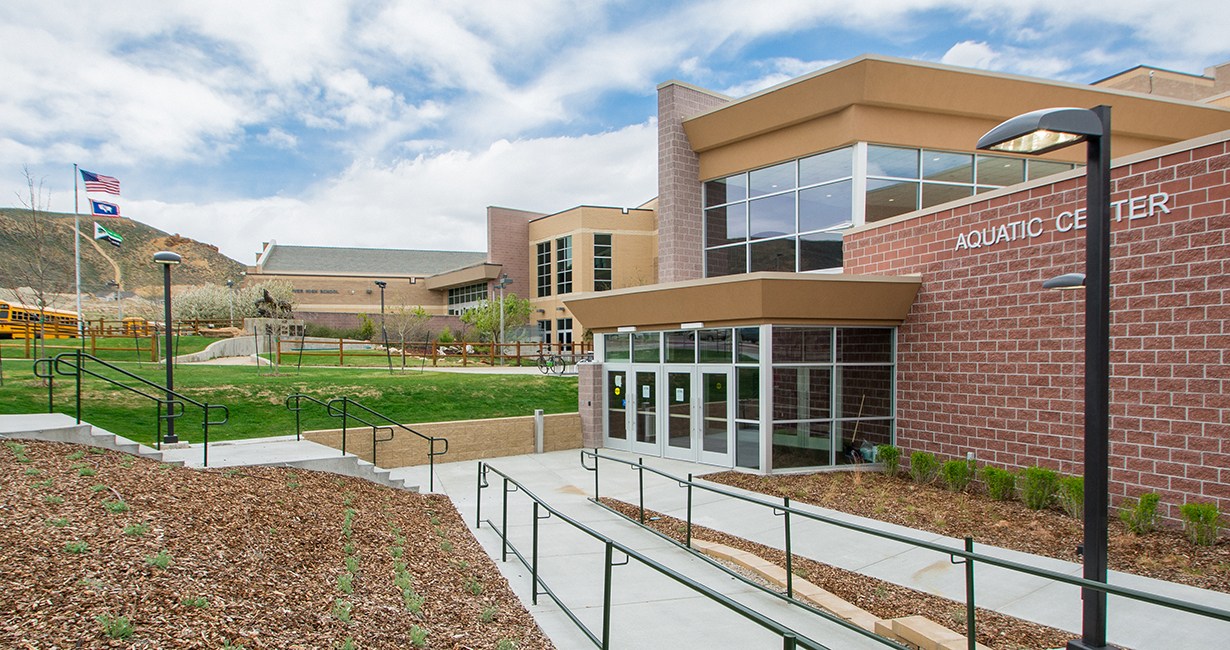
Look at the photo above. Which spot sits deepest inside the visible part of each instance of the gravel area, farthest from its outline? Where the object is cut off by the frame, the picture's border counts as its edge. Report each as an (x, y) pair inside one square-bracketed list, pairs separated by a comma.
[(105, 550)]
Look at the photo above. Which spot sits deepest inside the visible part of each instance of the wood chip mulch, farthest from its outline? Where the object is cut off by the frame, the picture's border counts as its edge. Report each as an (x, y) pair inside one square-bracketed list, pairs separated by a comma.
[(254, 558), (883, 599), (1164, 554)]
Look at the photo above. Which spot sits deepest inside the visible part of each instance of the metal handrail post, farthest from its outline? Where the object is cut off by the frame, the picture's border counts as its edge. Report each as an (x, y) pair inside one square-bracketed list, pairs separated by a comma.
[(534, 560), (77, 353), (504, 525), (345, 401), (789, 554), (478, 498), (595, 474), (971, 641), (640, 479), (689, 534), (431, 464), (205, 444), (606, 599)]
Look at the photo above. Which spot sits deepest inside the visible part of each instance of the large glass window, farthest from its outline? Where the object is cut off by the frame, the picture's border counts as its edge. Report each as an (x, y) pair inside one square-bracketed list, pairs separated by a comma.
[(646, 347), (772, 255), (714, 346), (544, 331), (463, 298), (602, 262), (544, 269), (563, 265), (616, 347), (563, 331), (681, 346)]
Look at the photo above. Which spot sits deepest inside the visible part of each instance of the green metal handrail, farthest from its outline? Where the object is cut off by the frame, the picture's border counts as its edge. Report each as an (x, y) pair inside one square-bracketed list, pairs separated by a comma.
[(966, 556), (174, 402), (431, 440), (790, 638)]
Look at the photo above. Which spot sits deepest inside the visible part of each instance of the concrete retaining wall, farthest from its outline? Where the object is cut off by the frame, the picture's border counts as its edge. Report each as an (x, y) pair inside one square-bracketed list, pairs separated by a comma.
[(467, 439)]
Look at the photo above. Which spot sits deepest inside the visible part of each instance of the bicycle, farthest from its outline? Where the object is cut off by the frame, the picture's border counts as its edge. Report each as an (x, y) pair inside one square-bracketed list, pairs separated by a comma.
[(548, 363)]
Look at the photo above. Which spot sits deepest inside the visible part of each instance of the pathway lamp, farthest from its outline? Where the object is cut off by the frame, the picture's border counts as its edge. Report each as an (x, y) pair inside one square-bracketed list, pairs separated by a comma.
[(168, 259), (384, 333), (1037, 133), (503, 282)]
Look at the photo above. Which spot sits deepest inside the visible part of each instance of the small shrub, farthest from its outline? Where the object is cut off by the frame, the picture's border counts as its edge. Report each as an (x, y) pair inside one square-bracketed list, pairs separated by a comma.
[(957, 474), (445, 336), (412, 601), (43, 485), (136, 530), (76, 548), (489, 613), (347, 644), (890, 456), (97, 450), (114, 507), (162, 560), (923, 467), (198, 602), (446, 546), (31, 471), (418, 636), (474, 586), (53, 499), (1001, 484), (115, 627), (1072, 495), (397, 551), (76, 455), (1140, 515), (97, 488), (1201, 522), (352, 563), (506, 644), (86, 471), (345, 583), (1038, 486), (58, 522), (227, 645), (341, 609)]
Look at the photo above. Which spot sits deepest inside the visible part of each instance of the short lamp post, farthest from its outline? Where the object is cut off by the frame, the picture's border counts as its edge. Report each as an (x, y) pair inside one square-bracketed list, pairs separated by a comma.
[(168, 259), (1037, 133), (230, 288), (384, 333), (504, 281)]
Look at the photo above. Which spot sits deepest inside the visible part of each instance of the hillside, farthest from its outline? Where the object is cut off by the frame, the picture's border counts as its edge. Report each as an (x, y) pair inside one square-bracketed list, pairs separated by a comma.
[(24, 241)]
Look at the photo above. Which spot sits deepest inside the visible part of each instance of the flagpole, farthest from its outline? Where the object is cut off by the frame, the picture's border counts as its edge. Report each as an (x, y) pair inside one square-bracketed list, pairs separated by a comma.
[(77, 254)]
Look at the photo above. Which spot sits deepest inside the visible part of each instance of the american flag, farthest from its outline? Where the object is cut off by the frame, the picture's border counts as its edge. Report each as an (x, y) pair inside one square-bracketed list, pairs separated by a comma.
[(99, 183)]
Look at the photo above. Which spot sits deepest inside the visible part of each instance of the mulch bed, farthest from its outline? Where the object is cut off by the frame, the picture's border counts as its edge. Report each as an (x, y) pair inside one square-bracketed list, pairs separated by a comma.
[(253, 558), (883, 599), (1163, 554)]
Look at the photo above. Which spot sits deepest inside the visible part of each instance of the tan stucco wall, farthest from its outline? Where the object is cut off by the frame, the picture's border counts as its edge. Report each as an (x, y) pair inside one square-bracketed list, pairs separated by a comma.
[(467, 439)]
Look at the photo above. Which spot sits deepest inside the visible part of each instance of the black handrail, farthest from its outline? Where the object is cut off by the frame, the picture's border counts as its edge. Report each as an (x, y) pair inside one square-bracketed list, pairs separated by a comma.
[(331, 412), (790, 638), (431, 440), (966, 555), (74, 361)]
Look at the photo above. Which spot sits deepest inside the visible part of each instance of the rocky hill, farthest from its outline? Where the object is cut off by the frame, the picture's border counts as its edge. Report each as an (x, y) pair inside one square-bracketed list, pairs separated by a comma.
[(36, 250)]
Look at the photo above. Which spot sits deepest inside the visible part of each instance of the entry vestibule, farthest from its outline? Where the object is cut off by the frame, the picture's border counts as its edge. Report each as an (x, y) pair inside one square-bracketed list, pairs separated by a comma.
[(763, 397)]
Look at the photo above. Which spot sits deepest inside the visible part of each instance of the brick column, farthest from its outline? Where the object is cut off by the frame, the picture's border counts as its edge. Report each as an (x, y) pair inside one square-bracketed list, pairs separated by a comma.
[(680, 224), (589, 403)]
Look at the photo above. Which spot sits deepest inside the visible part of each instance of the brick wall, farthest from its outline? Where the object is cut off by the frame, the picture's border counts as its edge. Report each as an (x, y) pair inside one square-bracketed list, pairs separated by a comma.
[(989, 362), (589, 403), (680, 236), (508, 245)]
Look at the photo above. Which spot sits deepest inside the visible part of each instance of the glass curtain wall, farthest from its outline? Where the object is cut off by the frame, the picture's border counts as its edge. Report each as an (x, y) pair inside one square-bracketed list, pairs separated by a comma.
[(790, 216)]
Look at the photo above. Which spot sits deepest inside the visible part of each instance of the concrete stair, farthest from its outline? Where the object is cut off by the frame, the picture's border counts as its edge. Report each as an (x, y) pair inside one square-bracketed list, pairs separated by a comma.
[(351, 465)]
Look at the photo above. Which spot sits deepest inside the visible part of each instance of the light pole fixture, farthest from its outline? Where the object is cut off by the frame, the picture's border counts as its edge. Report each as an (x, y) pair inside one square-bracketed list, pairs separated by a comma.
[(168, 259), (504, 281), (230, 288), (384, 333), (1037, 133), (119, 305)]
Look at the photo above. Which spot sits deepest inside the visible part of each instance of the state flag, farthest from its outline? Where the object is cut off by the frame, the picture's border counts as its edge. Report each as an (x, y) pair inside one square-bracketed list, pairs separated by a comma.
[(99, 183), (112, 237), (104, 209)]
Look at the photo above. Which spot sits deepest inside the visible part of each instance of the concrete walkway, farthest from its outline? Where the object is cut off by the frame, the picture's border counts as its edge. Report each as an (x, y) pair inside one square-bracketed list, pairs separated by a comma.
[(573, 565)]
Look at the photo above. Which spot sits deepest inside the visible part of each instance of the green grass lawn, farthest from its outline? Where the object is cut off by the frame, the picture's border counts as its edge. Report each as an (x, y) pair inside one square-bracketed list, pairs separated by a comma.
[(111, 348), (257, 401)]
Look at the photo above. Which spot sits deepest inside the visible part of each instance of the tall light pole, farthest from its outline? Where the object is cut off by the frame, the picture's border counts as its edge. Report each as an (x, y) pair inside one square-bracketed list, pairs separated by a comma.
[(230, 288), (1036, 133), (384, 333), (503, 282), (168, 259)]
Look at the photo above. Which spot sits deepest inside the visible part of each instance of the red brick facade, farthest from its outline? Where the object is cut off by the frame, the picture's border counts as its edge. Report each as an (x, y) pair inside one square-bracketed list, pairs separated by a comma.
[(989, 362)]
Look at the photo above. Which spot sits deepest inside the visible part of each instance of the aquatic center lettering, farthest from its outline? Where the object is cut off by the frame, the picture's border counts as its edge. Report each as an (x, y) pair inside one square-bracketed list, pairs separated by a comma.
[(1141, 207)]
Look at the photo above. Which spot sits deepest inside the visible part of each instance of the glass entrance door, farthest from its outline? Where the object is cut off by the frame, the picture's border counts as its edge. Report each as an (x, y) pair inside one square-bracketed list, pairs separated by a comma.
[(680, 420), (715, 414), (645, 416), (616, 431)]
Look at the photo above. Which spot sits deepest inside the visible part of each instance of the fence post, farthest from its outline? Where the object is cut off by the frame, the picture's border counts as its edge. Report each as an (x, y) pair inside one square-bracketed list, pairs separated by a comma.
[(341, 351), (435, 351), (518, 354)]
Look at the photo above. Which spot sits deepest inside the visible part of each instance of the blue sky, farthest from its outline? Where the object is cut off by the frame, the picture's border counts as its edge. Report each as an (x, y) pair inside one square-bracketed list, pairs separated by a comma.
[(394, 124)]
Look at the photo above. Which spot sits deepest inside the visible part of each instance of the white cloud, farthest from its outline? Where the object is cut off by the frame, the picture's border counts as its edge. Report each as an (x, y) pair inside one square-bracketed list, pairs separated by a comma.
[(278, 139), (432, 201), (971, 54)]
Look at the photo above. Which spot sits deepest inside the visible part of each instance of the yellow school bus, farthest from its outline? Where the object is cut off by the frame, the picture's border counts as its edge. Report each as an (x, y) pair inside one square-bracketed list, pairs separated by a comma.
[(18, 321)]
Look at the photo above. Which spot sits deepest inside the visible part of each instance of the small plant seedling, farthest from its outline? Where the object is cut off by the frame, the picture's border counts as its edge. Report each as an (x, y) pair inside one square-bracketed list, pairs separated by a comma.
[(446, 546), (227, 645), (43, 485), (345, 583), (1201, 522), (230, 473), (347, 644), (115, 507), (418, 636), (435, 521), (97, 488), (198, 602), (136, 530), (352, 563), (341, 609), (412, 601), (76, 548), (1140, 515), (76, 455), (86, 471), (115, 627), (33, 471), (489, 613), (162, 560), (97, 450), (165, 466), (397, 551), (127, 463), (58, 522), (349, 548), (17, 448), (474, 586), (53, 499), (460, 564), (506, 644)]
